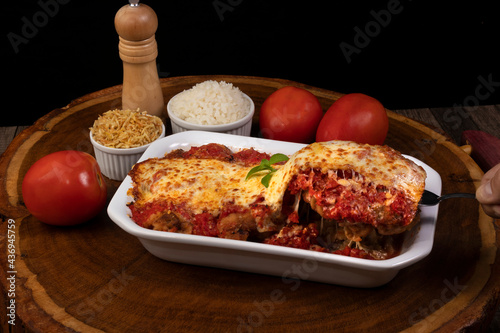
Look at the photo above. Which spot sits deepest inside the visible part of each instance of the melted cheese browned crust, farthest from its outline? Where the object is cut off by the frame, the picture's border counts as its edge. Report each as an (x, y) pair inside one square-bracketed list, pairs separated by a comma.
[(204, 185), (358, 192), (174, 192), (379, 165)]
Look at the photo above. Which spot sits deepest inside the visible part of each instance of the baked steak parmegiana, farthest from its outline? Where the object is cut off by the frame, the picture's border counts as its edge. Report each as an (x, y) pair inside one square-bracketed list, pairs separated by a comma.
[(339, 197)]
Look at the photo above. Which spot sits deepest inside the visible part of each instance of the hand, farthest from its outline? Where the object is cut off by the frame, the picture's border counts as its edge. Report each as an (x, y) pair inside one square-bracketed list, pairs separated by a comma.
[(488, 194)]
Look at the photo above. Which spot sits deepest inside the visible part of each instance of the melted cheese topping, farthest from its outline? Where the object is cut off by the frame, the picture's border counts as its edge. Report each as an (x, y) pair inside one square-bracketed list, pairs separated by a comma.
[(380, 165), (207, 185), (204, 185)]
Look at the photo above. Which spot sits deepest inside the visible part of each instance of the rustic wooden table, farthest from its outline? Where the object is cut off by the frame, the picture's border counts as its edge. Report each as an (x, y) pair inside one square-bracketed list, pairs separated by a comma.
[(450, 122)]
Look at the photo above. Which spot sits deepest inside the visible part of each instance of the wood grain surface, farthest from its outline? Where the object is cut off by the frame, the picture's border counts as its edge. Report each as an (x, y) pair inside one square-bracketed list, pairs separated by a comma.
[(95, 277)]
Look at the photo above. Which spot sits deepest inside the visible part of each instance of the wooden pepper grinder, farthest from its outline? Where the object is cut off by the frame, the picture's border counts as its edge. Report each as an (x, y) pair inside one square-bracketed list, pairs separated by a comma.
[(136, 25)]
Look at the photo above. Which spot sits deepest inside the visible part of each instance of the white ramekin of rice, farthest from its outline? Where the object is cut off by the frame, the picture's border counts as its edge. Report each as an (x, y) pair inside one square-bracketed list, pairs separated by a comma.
[(212, 106), (115, 163)]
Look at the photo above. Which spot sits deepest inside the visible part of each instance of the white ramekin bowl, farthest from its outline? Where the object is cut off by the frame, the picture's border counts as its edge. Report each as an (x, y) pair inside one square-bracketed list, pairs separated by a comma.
[(242, 126), (115, 163)]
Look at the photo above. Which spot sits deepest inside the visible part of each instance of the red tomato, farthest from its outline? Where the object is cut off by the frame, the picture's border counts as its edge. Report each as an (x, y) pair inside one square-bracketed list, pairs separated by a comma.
[(64, 188), (354, 117), (290, 114)]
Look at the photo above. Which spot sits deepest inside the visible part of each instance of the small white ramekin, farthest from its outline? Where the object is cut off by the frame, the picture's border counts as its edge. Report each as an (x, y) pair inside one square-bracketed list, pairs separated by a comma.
[(115, 163), (242, 126)]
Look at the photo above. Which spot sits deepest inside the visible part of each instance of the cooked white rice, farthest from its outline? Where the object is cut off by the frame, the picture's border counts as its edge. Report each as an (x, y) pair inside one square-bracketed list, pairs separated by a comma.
[(210, 103)]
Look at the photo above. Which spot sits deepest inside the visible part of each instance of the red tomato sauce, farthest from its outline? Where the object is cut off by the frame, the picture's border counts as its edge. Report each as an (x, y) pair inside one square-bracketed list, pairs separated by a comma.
[(142, 214), (353, 252), (296, 236), (250, 157), (209, 151), (351, 204), (246, 157), (205, 224)]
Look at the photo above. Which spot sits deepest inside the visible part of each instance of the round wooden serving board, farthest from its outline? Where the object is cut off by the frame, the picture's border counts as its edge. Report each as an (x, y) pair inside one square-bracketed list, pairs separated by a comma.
[(95, 277)]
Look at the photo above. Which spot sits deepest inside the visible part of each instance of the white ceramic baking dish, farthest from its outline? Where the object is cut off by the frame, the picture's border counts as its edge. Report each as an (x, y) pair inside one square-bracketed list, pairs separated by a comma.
[(283, 262)]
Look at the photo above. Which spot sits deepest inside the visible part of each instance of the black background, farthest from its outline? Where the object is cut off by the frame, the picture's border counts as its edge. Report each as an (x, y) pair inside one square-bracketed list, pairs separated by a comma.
[(428, 54)]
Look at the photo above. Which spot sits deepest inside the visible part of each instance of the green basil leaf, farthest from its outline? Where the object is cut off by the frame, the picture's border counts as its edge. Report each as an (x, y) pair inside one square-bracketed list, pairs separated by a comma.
[(266, 179), (265, 162), (276, 158), (265, 165), (256, 169)]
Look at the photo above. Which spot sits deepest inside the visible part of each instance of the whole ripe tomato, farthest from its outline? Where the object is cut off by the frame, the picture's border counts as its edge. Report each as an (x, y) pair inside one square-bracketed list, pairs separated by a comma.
[(354, 117), (64, 188), (290, 114)]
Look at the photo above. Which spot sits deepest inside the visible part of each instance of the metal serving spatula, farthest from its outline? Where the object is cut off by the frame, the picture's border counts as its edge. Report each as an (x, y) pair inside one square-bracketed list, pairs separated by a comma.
[(432, 199)]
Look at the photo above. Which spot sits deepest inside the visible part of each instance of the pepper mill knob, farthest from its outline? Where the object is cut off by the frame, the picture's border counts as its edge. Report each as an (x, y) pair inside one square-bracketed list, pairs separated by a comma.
[(136, 26)]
